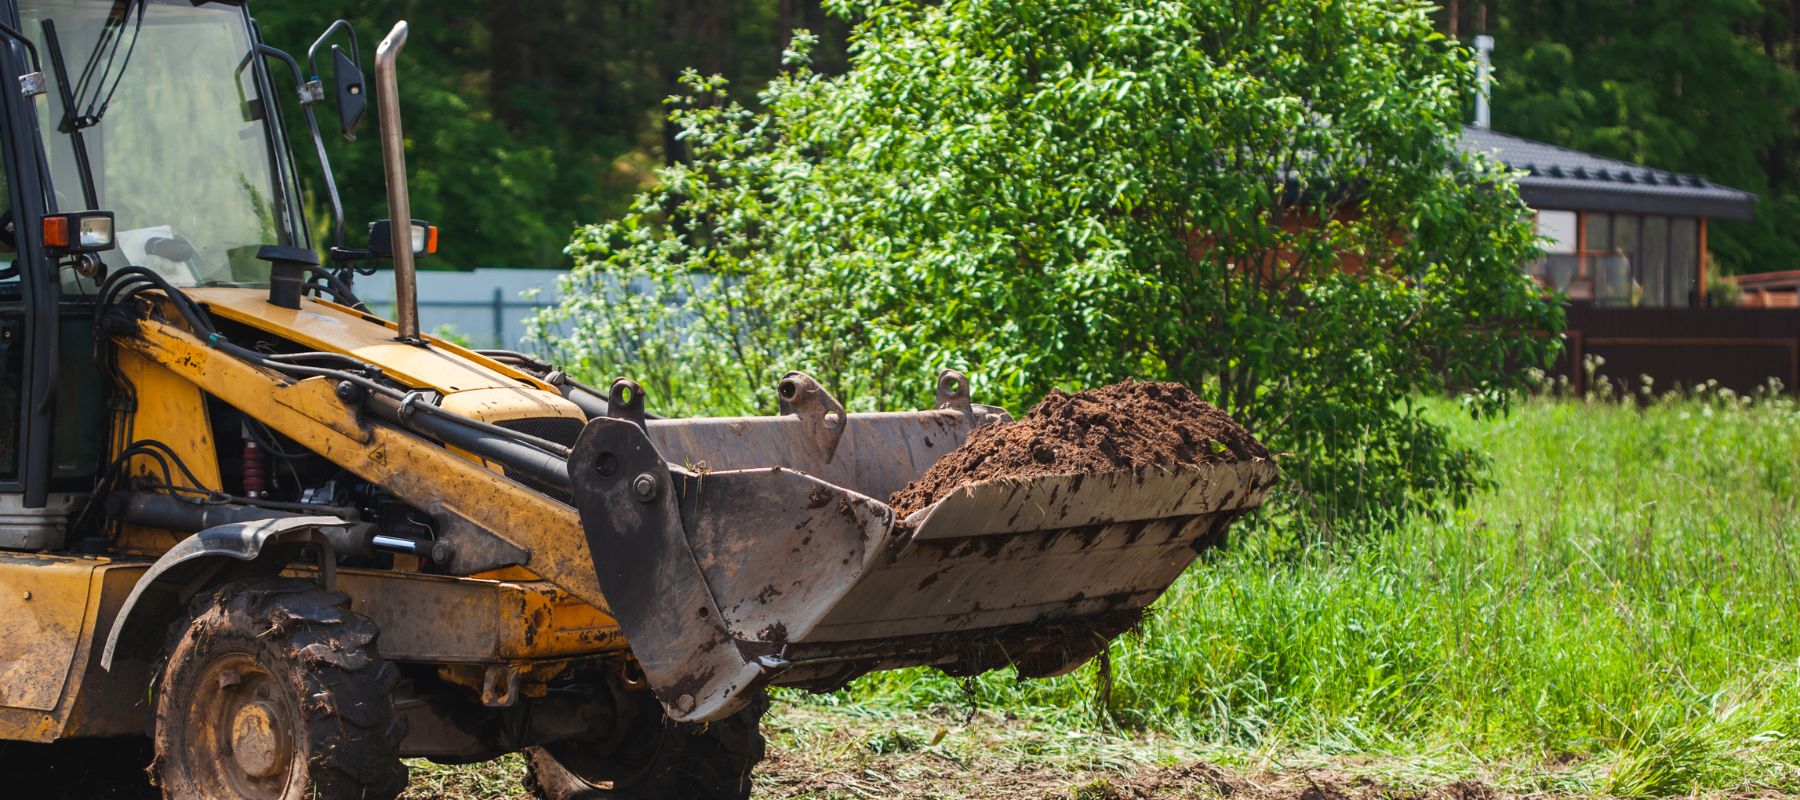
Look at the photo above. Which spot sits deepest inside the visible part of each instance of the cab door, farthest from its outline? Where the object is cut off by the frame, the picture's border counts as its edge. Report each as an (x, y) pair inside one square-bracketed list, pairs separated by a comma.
[(28, 291)]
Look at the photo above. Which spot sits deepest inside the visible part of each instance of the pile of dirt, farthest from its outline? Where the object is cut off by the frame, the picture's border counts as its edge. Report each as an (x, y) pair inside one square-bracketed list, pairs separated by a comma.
[(1123, 426)]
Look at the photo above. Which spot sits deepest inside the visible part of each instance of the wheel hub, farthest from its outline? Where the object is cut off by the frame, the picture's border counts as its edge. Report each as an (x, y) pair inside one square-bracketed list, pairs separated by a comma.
[(241, 742), (258, 744)]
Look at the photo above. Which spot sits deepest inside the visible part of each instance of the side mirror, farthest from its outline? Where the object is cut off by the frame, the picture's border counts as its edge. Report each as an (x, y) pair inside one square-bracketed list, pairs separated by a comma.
[(351, 100), (346, 76), (381, 241), (79, 232)]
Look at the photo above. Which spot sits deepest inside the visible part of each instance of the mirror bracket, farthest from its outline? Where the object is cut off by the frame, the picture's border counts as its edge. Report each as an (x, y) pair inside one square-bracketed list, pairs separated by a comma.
[(346, 76), (312, 91)]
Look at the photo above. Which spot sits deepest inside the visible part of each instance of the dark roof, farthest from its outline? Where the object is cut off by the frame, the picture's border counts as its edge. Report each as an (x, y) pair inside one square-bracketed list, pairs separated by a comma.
[(1560, 178)]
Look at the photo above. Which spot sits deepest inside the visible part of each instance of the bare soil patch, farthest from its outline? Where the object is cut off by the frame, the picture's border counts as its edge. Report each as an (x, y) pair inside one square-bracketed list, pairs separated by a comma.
[(1125, 425), (848, 754), (826, 755)]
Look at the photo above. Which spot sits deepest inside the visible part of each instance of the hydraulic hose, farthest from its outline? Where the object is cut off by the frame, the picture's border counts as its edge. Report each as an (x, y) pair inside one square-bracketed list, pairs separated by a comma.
[(545, 468), (154, 510)]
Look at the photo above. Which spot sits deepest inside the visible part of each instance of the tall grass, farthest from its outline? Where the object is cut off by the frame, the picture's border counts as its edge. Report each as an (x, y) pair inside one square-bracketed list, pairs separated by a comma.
[(1619, 615)]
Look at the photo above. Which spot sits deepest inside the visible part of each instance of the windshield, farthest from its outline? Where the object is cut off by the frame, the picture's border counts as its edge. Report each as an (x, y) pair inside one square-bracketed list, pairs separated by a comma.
[(182, 153)]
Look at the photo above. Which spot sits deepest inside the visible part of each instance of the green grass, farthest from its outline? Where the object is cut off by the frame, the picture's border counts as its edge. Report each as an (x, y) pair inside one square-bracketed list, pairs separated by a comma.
[(1620, 615)]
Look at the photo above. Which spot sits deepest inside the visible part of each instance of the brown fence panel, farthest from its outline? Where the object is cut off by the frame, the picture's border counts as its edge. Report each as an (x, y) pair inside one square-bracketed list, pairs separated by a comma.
[(1741, 348)]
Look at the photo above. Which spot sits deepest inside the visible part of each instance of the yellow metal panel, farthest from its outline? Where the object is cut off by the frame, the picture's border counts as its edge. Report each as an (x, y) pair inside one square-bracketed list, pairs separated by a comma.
[(418, 471), (43, 603), (439, 619), (334, 328), (25, 725), (542, 621), (173, 411), (491, 405), (442, 344), (100, 702), (86, 700)]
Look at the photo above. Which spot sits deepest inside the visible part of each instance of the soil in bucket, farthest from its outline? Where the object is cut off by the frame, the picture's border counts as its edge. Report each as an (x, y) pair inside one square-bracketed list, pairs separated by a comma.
[(1126, 425)]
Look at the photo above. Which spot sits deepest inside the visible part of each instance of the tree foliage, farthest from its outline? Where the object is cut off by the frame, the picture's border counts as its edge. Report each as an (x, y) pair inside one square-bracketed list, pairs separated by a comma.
[(1706, 86), (526, 118), (1260, 199), (523, 119)]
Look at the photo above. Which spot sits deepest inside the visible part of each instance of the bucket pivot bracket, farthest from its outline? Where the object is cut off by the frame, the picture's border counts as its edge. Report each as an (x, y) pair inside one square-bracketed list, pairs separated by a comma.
[(821, 414), (625, 400), (953, 393)]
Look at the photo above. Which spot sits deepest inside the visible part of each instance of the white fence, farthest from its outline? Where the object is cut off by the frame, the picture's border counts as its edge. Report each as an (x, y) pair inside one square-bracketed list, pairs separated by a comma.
[(487, 306)]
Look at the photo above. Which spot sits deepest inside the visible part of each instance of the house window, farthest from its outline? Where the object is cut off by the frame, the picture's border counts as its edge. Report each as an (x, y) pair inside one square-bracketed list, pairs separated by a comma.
[(1653, 262), (1624, 244), (1559, 269), (1599, 232), (1620, 259), (1659, 256), (1559, 227), (1609, 269), (1684, 262)]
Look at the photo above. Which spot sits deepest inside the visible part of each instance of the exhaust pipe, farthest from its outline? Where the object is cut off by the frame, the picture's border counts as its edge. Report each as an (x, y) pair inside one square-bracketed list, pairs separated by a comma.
[(393, 162)]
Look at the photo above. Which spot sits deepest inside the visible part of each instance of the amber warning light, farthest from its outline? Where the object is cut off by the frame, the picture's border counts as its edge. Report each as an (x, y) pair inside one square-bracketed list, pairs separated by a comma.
[(79, 232)]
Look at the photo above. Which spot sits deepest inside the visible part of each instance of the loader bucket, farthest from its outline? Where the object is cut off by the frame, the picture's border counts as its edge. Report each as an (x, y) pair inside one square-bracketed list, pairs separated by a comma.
[(739, 553)]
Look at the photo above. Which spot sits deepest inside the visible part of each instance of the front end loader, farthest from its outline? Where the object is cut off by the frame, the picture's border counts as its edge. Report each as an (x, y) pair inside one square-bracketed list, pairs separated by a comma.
[(295, 542)]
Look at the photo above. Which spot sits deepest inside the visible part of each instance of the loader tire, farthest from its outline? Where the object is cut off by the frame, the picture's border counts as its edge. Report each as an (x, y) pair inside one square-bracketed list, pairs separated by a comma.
[(661, 760), (274, 690)]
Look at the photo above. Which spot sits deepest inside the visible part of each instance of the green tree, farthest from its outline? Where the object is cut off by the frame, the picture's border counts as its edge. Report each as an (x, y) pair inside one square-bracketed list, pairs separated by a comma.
[(1706, 86), (1260, 199), (523, 119)]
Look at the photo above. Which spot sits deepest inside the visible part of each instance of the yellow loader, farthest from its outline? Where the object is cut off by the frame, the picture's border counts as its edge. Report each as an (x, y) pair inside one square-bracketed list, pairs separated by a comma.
[(293, 542)]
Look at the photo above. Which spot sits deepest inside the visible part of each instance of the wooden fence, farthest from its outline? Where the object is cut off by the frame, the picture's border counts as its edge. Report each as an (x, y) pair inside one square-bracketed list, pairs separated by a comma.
[(1741, 348)]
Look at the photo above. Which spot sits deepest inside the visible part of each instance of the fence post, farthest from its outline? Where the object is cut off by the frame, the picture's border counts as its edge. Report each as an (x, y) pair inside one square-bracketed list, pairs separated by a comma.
[(500, 319)]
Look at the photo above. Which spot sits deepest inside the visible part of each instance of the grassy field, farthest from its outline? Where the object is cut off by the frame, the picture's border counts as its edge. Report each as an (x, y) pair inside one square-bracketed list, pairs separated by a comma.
[(1620, 616)]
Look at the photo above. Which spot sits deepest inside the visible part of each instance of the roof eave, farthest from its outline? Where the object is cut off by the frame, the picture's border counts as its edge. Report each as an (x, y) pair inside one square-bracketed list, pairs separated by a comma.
[(1736, 205)]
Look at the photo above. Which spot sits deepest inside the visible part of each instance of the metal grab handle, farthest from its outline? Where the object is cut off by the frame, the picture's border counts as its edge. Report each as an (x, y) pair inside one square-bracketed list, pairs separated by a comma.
[(393, 162)]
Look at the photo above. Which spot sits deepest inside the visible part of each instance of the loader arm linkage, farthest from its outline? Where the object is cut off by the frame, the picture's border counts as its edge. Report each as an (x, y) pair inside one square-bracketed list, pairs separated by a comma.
[(488, 520)]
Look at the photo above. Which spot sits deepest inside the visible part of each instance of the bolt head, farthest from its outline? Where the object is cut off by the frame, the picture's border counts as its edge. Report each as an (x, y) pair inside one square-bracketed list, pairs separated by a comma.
[(644, 486)]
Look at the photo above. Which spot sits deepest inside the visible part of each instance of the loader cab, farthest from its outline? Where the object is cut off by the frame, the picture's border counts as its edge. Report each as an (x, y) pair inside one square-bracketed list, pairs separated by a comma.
[(182, 142), (161, 112)]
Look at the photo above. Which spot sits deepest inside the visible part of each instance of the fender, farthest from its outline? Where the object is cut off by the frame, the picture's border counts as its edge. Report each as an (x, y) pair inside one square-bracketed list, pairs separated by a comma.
[(201, 557)]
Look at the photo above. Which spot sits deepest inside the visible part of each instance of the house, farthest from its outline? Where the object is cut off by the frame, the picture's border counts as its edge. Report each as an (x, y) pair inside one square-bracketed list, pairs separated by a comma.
[(1620, 234), (1626, 243)]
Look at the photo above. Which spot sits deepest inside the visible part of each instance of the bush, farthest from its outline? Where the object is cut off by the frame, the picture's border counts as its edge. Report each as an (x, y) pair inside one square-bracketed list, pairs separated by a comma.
[(1265, 203)]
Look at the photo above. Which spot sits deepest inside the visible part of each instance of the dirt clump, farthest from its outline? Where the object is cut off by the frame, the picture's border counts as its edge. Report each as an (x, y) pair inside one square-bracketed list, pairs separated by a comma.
[(1126, 425), (1467, 790)]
